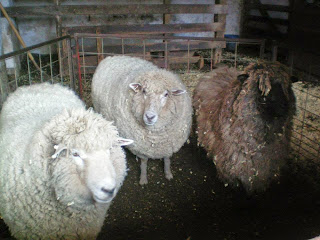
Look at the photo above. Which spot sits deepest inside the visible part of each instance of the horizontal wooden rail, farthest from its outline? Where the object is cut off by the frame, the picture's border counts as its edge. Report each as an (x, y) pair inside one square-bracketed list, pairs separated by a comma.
[(264, 19), (114, 9), (150, 28), (270, 7)]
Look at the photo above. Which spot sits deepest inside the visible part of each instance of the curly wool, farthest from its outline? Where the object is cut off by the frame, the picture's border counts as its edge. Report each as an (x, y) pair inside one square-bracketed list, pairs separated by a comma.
[(41, 197), (248, 139), (113, 98)]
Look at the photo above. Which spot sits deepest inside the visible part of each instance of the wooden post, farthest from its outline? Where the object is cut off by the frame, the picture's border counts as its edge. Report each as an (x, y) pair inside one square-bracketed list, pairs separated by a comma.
[(274, 51), (222, 19), (166, 20), (262, 48), (4, 90), (99, 46), (58, 21), (291, 60)]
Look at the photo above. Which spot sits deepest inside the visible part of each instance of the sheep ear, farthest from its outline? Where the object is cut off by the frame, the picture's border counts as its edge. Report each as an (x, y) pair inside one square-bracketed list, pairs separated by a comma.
[(242, 77), (124, 142), (135, 86), (59, 149), (177, 92), (294, 79)]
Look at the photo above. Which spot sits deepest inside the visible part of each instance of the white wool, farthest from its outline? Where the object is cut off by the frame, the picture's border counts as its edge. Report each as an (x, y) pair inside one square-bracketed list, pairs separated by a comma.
[(113, 98), (45, 197)]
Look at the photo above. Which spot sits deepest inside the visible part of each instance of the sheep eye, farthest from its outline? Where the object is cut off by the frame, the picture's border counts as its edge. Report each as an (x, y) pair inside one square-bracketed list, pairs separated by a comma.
[(166, 94), (75, 154), (144, 91)]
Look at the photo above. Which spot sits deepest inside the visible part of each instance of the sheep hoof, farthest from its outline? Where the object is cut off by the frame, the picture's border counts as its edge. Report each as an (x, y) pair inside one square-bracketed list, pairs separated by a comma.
[(143, 181), (169, 176)]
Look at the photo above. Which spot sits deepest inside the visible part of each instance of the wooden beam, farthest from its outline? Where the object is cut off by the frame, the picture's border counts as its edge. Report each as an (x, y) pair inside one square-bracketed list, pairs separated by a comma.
[(264, 13), (114, 9), (150, 28), (269, 7), (264, 19)]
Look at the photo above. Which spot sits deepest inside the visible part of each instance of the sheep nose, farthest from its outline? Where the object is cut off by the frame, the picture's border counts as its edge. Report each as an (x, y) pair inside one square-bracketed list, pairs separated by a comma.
[(108, 191), (150, 116)]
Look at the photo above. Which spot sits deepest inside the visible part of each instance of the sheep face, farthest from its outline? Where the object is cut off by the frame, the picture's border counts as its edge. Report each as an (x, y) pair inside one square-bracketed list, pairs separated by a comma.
[(150, 103), (271, 88), (96, 174)]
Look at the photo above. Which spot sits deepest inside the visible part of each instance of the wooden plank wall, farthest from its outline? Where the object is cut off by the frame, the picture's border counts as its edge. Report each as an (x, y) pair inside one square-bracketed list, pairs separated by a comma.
[(300, 43), (60, 12), (257, 21), (305, 26), (304, 36)]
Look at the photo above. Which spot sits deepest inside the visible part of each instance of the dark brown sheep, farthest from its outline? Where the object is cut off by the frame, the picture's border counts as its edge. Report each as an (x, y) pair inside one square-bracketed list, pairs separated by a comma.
[(244, 122)]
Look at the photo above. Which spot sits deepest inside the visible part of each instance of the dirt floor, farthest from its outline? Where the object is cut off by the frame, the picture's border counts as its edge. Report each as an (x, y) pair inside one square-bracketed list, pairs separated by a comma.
[(196, 205)]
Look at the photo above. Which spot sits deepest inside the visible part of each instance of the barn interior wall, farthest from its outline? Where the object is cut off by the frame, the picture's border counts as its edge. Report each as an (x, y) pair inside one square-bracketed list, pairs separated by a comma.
[(8, 40), (39, 29)]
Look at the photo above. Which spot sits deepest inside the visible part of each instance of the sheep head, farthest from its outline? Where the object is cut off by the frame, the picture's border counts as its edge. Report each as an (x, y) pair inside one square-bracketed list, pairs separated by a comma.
[(271, 82), (154, 101), (88, 165)]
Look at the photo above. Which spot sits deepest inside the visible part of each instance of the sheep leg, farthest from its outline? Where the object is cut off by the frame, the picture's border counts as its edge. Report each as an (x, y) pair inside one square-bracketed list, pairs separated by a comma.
[(167, 170), (143, 174)]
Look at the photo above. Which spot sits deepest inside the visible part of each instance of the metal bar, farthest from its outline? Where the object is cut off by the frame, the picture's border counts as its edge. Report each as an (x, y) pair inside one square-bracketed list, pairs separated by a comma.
[(24, 50), (60, 59), (50, 63), (83, 60), (245, 40), (29, 73), (144, 48), (40, 66)]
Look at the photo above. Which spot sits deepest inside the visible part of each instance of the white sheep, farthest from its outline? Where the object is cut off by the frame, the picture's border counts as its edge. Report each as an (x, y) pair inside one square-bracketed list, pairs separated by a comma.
[(147, 104), (60, 165)]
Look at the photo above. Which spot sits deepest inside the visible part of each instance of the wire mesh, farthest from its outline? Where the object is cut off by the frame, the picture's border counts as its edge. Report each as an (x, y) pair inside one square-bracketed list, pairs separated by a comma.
[(29, 66)]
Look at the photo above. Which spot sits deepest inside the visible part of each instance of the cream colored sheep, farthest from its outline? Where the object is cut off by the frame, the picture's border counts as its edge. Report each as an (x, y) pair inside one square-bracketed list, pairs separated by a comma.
[(147, 104), (60, 165)]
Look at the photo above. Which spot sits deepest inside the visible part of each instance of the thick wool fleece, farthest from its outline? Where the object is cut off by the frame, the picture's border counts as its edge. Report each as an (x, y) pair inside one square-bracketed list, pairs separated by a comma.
[(114, 99), (42, 197), (246, 126)]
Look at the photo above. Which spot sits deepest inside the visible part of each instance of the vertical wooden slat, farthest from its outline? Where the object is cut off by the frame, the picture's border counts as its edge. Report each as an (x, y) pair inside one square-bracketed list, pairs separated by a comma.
[(59, 34), (221, 19), (58, 21), (3, 82), (166, 20), (274, 51), (99, 46), (262, 48)]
